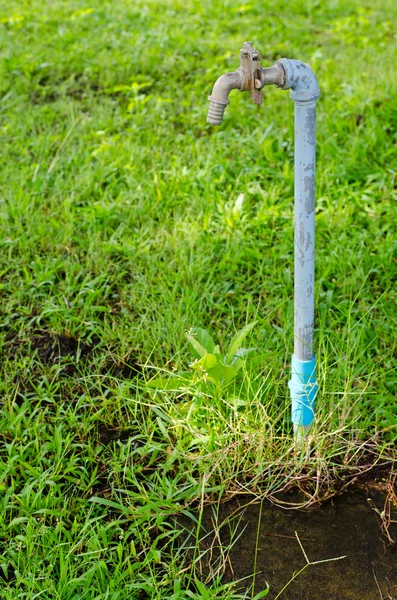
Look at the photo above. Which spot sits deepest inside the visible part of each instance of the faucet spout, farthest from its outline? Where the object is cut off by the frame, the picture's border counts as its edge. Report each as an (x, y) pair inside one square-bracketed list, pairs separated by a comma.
[(219, 98)]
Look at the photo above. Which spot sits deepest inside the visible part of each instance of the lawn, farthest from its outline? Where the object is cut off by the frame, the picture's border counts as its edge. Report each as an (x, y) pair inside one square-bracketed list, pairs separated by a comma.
[(126, 220)]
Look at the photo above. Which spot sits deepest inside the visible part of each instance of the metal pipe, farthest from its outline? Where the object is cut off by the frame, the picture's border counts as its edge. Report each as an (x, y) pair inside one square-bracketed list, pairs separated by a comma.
[(274, 75), (301, 80), (303, 385), (305, 174)]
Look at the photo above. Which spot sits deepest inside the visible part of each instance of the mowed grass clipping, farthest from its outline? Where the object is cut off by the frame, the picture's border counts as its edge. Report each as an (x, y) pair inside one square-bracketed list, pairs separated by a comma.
[(125, 221)]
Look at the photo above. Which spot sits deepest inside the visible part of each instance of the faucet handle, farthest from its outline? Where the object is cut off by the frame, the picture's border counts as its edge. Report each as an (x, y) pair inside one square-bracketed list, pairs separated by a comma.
[(251, 68)]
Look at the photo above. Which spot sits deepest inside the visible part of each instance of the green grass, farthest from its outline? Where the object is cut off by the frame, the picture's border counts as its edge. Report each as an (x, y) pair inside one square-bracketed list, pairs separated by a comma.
[(118, 235)]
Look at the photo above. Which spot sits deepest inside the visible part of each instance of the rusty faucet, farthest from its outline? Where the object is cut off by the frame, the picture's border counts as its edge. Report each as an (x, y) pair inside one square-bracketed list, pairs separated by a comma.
[(301, 80), (249, 76)]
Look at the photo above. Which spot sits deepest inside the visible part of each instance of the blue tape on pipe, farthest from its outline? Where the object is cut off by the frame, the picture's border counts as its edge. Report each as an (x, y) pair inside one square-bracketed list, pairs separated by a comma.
[(303, 388)]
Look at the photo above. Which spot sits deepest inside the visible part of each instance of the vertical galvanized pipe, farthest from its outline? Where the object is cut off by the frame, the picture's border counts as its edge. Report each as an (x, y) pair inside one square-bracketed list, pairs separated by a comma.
[(303, 384), (305, 181)]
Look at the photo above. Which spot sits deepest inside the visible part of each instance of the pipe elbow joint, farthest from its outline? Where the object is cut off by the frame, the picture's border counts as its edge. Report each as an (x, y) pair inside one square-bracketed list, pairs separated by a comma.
[(300, 79)]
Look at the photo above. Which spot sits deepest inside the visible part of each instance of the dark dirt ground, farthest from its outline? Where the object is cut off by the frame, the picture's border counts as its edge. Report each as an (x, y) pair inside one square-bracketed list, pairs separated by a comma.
[(348, 525)]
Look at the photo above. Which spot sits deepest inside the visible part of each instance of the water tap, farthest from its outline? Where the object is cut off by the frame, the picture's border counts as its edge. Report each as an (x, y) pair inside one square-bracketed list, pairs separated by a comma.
[(248, 77)]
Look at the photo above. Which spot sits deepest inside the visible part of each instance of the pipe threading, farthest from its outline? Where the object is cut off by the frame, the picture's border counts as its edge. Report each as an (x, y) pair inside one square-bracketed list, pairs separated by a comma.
[(215, 113)]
